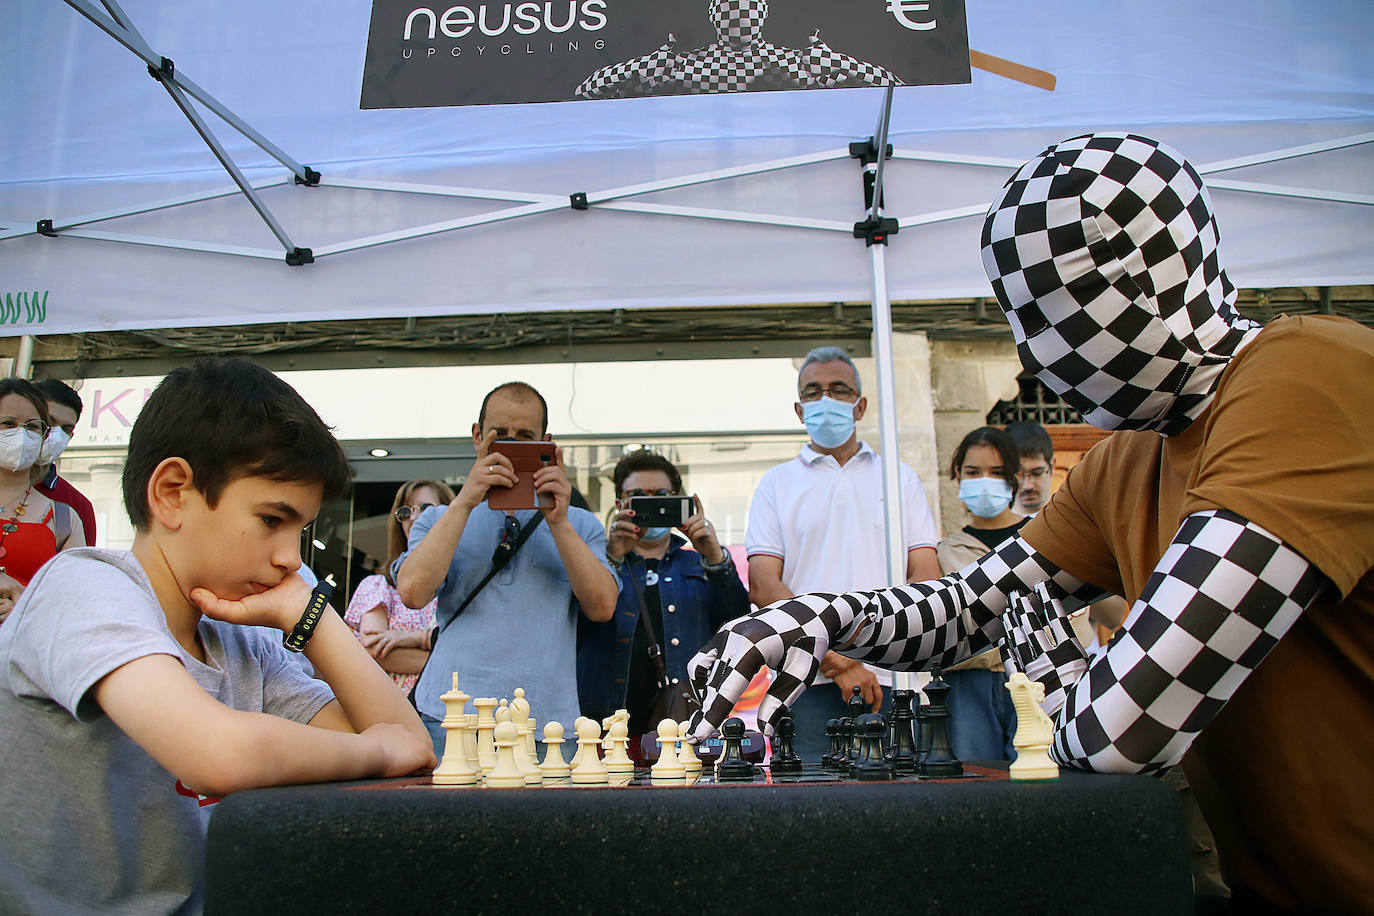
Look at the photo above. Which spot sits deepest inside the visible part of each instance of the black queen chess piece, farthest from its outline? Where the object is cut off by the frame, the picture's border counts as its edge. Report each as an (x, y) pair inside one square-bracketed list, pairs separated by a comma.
[(785, 761), (732, 766), (937, 759)]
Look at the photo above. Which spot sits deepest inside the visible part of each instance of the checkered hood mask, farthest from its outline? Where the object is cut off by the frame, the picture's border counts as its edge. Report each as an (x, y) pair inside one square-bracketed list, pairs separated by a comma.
[(739, 23), (1102, 251)]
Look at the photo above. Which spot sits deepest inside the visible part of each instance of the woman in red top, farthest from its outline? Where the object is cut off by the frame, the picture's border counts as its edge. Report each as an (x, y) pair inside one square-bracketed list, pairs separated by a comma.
[(28, 538)]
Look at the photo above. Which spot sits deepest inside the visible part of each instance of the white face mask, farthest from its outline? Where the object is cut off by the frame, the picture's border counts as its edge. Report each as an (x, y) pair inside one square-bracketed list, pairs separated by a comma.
[(56, 442), (19, 448)]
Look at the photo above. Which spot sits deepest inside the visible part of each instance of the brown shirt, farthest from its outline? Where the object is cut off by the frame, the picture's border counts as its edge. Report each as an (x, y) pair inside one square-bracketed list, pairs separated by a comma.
[(1285, 773)]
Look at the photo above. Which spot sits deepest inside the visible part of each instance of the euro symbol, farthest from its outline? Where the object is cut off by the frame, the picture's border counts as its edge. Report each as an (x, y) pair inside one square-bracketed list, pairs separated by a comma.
[(900, 8)]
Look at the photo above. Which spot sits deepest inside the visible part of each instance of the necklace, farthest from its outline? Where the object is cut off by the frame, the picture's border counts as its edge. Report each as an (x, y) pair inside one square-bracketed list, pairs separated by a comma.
[(12, 525)]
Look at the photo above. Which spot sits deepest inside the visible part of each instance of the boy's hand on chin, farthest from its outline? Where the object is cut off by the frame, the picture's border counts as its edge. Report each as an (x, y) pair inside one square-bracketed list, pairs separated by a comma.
[(280, 606)]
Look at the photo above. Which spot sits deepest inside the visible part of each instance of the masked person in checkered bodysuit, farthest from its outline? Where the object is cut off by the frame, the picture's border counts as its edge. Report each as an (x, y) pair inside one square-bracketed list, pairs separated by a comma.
[(1234, 507), (739, 60)]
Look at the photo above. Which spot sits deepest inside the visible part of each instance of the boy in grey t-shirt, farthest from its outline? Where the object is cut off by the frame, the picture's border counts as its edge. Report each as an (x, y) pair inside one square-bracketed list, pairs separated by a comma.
[(138, 687)]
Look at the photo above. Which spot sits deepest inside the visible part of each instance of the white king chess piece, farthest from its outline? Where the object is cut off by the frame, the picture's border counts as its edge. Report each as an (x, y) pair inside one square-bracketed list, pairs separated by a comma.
[(1034, 730)]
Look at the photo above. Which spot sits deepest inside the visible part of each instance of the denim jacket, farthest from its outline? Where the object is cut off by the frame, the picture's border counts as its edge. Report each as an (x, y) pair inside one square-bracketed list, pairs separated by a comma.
[(694, 604)]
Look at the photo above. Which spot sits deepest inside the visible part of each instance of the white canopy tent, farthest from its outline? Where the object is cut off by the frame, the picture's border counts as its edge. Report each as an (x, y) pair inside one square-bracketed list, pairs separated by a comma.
[(693, 201)]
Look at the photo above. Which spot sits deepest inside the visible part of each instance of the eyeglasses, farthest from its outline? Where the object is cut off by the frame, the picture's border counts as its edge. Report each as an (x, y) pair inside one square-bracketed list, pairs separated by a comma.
[(837, 390), (1035, 473), (661, 491), (404, 513), (34, 426)]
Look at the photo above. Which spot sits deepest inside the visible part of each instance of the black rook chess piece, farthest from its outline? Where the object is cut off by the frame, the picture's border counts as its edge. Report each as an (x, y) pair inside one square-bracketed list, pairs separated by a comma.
[(937, 759), (732, 764), (785, 761), (871, 766), (902, 753)]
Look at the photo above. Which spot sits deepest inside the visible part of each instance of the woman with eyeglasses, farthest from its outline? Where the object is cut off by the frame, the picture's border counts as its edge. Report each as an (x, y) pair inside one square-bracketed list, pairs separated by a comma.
[(397, 636), (682, 579), (28, 535), (987, 466)]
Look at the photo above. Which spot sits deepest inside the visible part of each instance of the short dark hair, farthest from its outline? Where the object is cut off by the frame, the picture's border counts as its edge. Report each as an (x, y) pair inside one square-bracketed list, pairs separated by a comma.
[(230, 418), (518, 389), (59, 392), (27, 389), (1032, 440), (645, 460), (1006, 448)]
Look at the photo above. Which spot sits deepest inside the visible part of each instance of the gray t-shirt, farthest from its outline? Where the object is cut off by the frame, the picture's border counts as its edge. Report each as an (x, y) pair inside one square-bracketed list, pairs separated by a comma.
[(91, 821)]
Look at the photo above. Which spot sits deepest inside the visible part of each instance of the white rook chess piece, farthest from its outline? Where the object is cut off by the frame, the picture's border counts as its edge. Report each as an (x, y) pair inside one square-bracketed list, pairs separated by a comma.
[(455, 769), (1034, 730), (618, 760), (554, 766), (668, 767), (506, 774), (589, 770)]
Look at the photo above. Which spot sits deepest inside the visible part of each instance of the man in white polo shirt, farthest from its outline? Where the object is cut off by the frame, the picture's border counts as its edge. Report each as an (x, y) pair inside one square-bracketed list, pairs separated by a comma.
[(816, 524)]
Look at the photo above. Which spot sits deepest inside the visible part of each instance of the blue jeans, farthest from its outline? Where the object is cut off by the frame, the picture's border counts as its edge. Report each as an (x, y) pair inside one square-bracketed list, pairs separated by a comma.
[(436, 733), (816, 706), (982, 721)]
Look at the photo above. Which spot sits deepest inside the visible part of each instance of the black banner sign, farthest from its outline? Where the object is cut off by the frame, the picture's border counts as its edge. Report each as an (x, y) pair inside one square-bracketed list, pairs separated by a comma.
[(493, 52)]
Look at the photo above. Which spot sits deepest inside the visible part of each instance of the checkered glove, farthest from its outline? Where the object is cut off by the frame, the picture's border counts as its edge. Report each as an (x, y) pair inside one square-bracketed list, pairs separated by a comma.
[(1040, 642)]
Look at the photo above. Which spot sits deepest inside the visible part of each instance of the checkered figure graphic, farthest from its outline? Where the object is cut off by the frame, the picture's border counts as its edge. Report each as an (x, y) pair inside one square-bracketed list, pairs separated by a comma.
[(1103, 252), (739, 60)]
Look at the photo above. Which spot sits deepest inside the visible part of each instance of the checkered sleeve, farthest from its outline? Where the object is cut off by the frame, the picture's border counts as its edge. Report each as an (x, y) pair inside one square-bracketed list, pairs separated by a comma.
[(908, 627), (1223, 595), (827, 68), (637, 76)]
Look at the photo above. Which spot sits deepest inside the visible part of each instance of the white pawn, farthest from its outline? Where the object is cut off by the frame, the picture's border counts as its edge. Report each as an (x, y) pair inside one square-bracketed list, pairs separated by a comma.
[(618, 760), (687, 756), (577, 730), (668, 767), (455, 769), (589, 769), (506, 774), (554, 766)]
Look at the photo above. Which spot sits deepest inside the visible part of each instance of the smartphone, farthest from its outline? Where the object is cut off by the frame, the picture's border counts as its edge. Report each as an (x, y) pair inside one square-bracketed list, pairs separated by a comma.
[(661, 511), (527, 457)]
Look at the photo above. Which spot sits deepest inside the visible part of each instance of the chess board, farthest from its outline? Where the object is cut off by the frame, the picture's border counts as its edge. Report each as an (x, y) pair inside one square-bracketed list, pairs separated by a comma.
[(812, 774)]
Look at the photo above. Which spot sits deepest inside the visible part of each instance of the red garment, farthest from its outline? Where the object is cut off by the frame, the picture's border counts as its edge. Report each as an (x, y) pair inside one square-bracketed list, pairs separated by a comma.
[(62, 491), (28, 548)]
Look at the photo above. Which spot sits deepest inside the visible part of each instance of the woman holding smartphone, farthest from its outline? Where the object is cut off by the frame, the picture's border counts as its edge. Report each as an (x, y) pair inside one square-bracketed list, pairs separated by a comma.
[(677, 587)]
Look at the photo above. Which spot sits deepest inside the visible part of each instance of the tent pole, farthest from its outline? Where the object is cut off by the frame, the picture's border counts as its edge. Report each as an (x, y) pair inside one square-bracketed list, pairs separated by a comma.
[(23, 360), (889, 453)]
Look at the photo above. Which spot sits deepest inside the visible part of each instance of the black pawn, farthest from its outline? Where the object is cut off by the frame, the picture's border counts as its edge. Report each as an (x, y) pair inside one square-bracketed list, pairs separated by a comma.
[(902, 752), (785, 761), (732, 764), (871, 766), (832, 729), (938, 759)]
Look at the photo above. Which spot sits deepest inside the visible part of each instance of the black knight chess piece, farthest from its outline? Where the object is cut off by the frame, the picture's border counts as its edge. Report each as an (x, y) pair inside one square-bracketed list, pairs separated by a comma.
[(938, 759), (785, 761), (732, 765)]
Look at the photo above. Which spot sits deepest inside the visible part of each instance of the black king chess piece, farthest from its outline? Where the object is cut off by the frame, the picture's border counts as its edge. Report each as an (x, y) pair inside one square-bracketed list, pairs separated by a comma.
[(871, 766), (785, 761), (902, 751), (937, 759), (732, 765)]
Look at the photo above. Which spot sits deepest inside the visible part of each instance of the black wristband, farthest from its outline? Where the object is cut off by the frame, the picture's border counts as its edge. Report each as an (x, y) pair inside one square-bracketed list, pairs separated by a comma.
[(305, 627)]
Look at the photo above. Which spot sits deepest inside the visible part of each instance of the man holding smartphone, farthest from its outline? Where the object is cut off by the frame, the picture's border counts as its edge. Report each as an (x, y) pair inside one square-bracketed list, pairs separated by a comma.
[(520, 629), (816, 524)]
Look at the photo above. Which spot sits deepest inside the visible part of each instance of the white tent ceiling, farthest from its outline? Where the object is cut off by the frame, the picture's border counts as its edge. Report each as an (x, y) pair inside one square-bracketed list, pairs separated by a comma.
[(1274, 102)]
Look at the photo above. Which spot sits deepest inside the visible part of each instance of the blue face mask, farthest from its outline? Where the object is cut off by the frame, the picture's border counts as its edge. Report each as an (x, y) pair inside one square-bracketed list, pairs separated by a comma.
[(654, 535), (986, 497), (829, 422)]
